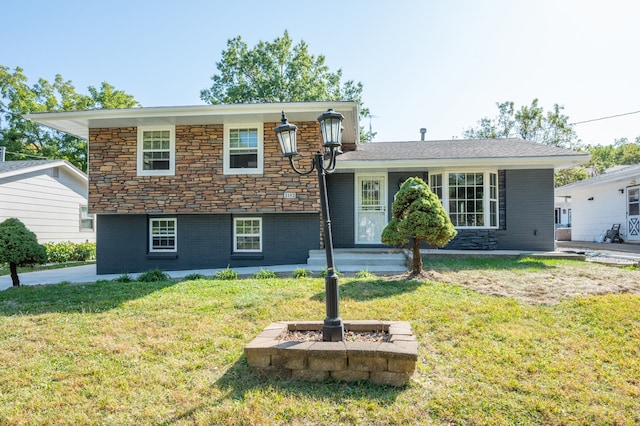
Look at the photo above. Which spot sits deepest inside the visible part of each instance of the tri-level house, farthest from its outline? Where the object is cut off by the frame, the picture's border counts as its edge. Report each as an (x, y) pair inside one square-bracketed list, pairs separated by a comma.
[(202, 187)]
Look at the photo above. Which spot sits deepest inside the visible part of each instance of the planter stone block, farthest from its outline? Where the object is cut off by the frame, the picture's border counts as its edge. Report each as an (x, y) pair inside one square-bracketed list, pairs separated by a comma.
[(402, 366), (350, 375), (389, 363), (364, 363), (310, 375)]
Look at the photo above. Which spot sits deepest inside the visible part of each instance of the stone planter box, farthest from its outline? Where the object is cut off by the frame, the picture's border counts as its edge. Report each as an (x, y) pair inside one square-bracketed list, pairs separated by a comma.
[(390, 363)]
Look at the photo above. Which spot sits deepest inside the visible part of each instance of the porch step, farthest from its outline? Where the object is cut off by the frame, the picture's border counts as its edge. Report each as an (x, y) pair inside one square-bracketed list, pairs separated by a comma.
[(354, 260)]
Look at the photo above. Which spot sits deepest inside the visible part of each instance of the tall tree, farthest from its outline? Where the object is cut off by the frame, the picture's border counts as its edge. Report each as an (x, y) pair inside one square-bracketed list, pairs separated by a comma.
[(279, 71), (621, 152), (25, 138), (419, 215), (529, 122)]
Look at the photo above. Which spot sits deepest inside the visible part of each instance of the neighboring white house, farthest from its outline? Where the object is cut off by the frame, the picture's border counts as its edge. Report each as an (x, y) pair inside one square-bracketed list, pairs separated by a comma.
[(49, 197), (602, 201), (562, 211)]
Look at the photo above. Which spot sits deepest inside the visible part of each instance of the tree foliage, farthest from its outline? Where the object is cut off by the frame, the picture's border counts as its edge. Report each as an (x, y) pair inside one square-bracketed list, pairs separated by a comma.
[(19, 247), (279, 71), (26, 138), (621, 152), (529, 122), (418, 215)]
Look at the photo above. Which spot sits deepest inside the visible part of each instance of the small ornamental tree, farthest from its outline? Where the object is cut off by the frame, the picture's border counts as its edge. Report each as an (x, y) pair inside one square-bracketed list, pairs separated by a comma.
[(418, 215), (19, 247)]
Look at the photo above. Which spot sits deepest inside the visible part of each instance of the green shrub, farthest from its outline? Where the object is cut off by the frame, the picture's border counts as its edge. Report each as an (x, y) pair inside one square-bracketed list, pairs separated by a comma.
[(364, 275), (124, 278), (324, 272), (153, 275), (68, 251), (227, 274), (301, 273), (194, 276), (264, 274)]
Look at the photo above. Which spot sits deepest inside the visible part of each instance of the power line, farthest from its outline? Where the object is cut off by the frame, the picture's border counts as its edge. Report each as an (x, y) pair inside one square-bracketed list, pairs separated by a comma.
[(25, 155), (605, 118)]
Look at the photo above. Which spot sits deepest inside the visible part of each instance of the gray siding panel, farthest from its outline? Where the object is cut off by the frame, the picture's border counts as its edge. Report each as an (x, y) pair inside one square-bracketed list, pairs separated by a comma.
[(529, 211), (204, 242), (341, 190)]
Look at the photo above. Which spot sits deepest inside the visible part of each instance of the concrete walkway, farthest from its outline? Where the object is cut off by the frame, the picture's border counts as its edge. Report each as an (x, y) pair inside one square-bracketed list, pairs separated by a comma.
[(87, 274)]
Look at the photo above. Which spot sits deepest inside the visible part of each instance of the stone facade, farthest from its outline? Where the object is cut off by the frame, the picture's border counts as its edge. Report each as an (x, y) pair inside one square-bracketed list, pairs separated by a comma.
[(388, 363), (199, 185)]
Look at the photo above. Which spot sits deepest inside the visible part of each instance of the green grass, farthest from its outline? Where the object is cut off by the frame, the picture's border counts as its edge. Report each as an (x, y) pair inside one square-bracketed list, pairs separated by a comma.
[(172, 353)]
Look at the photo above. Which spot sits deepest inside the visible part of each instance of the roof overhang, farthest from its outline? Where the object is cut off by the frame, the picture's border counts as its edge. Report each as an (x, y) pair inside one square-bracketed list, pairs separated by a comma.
[(78, 123)]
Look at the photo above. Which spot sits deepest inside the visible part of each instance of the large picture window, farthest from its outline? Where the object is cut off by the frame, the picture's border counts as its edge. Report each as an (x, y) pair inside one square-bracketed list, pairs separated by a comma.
[(163, 234), (247, 234), (470, 198), (243, 149), (156, 151)]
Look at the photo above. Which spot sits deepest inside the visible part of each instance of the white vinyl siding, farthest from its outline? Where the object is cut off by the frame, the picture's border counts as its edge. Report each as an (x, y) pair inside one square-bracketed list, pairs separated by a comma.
[(48, 206), (156, 151), (243, 149)]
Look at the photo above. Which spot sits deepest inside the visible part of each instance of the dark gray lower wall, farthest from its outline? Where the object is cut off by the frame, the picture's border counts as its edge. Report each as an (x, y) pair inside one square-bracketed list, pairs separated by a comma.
[(204, 242), (525, 208), (529, 211), (341, 193)]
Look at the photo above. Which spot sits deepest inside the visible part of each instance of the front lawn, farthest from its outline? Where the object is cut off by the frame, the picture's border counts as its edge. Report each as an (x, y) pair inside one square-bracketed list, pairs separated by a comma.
[(172, 352)]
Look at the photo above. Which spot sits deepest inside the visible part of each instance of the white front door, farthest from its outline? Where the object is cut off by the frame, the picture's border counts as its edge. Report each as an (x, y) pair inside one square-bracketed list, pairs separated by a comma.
[(371, 208), (633, 213)]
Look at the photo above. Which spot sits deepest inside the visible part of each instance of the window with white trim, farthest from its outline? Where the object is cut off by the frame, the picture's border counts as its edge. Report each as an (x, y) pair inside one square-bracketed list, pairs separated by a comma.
[(243, 149), (247, 234), (163, 233), (156, 151), (86, 219), (470, 198)]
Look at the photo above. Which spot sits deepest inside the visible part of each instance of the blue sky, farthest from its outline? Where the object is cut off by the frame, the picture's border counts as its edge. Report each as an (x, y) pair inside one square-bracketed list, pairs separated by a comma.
[(437, 64)]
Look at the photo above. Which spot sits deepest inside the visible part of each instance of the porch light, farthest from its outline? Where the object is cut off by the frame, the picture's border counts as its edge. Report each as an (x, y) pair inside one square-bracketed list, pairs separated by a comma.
[(323, 163), (287, 137), (331, 128)]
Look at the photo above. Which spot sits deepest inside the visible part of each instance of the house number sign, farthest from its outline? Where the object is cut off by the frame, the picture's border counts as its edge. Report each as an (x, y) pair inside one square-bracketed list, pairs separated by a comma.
[(289, 195)]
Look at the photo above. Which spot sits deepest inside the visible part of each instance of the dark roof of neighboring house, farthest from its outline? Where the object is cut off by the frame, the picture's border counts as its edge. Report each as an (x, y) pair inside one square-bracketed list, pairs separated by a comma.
[(11, 168), (455, 149)]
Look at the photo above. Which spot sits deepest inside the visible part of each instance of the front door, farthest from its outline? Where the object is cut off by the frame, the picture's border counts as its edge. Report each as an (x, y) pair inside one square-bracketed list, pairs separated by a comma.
[(371, 208), (633, 213)]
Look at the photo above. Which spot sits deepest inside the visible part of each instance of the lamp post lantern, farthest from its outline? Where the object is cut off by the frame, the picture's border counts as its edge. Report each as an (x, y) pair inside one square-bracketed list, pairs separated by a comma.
[(324, 163)]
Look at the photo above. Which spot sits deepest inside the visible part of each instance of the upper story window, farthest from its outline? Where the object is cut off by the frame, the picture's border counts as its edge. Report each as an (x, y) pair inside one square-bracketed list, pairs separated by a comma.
[(243, 149), (156, 151), (470, 198)]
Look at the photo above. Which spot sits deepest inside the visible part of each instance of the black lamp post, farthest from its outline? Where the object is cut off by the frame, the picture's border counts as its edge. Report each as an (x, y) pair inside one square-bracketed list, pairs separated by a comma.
[(324, 163)]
